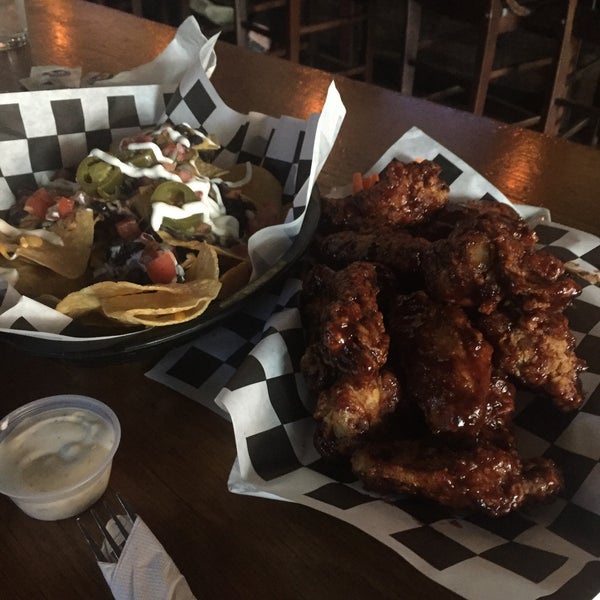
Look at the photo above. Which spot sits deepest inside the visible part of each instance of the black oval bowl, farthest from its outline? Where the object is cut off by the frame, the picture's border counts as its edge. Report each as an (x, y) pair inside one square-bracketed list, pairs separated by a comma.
[(121, 348)]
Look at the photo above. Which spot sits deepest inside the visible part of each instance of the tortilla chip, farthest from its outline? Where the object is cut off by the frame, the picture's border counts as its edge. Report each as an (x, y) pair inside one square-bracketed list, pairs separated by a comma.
[(235, 279), (206, 265), (179, 307), (264, 191), (34, 280), (161, 304), (69, 259)]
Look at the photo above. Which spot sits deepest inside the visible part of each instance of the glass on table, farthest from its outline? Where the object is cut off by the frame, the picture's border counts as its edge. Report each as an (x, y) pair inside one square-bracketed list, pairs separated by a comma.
[(13, 24)]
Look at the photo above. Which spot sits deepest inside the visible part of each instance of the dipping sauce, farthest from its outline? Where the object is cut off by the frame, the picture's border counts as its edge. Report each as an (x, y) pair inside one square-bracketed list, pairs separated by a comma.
[(56, 462)]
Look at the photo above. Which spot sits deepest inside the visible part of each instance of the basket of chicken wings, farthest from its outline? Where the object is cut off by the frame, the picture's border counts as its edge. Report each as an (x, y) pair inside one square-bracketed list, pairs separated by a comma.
[(422, 318)]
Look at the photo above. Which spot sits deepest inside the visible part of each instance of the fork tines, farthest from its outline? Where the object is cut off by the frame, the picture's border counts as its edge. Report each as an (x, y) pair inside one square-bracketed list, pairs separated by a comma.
[(108, 545)]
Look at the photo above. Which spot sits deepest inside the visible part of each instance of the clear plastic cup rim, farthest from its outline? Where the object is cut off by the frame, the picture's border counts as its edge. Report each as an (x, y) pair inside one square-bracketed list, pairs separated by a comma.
[(61, 401)]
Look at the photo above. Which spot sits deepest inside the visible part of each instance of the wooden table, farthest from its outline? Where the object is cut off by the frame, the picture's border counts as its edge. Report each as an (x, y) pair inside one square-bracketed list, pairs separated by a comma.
[(175, 455)]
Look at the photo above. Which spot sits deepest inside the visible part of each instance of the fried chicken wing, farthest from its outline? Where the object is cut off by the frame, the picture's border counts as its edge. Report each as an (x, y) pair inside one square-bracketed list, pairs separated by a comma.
[(462, 271), (406, 193), (460, 474), (395, 248), (347, 346), (538, 350), (445, 362), (488, 257), (495, 219), (416, 342), (342, 320), (535, 279), (352, 409)]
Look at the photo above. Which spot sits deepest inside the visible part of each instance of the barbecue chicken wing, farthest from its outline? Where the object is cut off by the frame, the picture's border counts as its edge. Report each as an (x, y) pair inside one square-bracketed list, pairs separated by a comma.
[(415, 342), (347, 346), (406, 193), (488, 257), (538, 350), (495, 219), (461, 474), (445, 362), (397, 249)]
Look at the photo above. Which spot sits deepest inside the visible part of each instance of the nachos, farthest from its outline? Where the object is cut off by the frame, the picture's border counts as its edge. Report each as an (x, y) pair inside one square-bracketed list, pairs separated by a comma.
[(146, 234)]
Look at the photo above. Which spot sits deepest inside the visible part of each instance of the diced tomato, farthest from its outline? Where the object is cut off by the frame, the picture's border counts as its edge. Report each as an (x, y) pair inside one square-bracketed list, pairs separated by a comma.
[(370, 181), (185, 175), (128, 228), (170, 150), (357, 183), (65, 206), (38, 203), (360, 183), (162, 269)]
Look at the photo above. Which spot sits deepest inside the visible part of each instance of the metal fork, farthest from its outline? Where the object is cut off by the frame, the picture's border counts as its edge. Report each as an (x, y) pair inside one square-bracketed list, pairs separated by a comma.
[(107, 545)]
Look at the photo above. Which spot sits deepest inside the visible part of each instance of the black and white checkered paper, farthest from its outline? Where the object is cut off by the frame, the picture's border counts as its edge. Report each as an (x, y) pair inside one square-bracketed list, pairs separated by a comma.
[(551, 552), (43, 131)]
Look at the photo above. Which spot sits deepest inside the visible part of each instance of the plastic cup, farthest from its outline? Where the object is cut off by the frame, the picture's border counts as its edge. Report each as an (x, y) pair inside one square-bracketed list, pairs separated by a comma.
[(13, 24), (56, 455)]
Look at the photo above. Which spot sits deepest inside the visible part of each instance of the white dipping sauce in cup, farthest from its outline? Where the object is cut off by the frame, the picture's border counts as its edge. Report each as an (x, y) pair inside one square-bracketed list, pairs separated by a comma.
[(54, 450), (56, 461)]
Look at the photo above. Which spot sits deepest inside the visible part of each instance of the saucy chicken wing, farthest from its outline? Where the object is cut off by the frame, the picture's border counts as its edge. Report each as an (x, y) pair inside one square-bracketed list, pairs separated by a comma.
[(445, 362), (347, 346), (405, 194), (488, 257), (396, 248), (422, 317), (538, 350), (460, 474)]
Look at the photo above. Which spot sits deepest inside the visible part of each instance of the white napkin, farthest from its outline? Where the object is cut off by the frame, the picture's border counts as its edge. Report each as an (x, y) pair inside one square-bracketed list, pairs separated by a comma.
[(185, 50), (189, 47), (145, 571)]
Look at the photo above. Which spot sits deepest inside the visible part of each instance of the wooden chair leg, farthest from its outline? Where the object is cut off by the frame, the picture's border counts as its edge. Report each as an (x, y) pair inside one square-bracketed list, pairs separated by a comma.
[(294, 18), (372, 12), (411, 45), (136, 8), (485, 57), (565, 64)]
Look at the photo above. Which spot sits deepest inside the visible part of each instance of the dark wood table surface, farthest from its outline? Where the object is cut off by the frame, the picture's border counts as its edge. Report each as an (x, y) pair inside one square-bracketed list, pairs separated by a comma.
[(175, 455)]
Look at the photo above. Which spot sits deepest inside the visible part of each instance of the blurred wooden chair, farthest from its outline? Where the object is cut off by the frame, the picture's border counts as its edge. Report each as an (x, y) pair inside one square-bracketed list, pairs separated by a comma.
[(298, 29), (574, 110), (165, 11), (491, 19), (132, 6)]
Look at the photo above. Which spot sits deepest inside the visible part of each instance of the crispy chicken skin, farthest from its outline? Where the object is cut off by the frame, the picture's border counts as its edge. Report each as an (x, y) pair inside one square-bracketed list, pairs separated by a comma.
[(460, 474), (461, 270), (538, 350), (345, 331), (534, 280), (347, 347), (405, 194), (352, 409)]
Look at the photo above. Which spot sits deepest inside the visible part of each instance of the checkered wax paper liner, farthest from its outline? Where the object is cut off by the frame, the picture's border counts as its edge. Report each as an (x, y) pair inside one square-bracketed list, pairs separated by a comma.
[(549, 552), (42, 131)]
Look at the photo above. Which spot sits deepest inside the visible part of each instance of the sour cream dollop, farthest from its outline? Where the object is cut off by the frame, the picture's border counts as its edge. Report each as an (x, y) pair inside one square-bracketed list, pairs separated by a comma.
[(209, 204)]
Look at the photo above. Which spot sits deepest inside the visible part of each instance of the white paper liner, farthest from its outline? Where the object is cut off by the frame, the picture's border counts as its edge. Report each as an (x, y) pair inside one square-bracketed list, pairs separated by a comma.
[(550, 550), (65, 122)]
